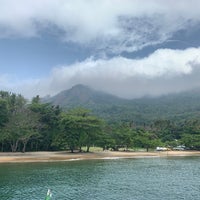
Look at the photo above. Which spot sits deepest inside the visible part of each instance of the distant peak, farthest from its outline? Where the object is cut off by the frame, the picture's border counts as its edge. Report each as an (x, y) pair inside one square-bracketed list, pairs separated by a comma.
[(80, 86)]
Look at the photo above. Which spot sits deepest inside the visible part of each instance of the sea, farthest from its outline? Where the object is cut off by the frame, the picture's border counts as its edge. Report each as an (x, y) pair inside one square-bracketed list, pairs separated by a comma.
[(169, 178)]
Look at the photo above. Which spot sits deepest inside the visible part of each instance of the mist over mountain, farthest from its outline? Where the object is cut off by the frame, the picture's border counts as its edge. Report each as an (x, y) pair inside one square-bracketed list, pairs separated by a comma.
[(177, 107)]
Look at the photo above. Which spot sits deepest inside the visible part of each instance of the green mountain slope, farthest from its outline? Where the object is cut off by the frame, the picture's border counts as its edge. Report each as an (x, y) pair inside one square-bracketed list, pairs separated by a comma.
[(177, 107), (80, 95)]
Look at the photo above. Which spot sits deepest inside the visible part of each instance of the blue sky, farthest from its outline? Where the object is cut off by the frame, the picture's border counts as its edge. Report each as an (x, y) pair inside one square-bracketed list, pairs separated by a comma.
[(129, 48)]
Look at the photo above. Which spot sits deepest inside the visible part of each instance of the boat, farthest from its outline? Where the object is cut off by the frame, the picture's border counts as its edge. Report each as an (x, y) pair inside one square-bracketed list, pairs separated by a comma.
[(49, 195)]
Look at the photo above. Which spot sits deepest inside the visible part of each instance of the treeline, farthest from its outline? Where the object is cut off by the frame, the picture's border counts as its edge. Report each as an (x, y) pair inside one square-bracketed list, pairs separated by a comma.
[(37, 126)]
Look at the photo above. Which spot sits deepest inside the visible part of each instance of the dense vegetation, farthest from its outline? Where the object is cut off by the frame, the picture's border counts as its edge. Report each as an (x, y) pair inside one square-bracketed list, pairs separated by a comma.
[(35, 125), (174, 107)]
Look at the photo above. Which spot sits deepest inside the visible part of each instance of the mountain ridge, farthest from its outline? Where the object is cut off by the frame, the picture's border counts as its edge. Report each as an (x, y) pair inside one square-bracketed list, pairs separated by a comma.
[(179, 106), (80, 95)]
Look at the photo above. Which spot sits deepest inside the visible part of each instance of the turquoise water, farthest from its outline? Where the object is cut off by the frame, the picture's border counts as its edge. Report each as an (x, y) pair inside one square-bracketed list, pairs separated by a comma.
[(127, 179)]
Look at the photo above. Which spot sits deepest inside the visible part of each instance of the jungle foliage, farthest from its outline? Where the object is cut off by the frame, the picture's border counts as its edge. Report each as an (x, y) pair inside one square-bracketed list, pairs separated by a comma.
[(40, 126)]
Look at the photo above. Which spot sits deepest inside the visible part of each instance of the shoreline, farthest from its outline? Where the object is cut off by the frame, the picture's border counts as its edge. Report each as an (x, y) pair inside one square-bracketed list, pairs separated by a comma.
[(57, 156)]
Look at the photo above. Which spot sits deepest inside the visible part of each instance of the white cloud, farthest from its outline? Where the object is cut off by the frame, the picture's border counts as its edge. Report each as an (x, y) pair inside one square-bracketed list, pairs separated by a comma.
[(164, 71), (113, 25)]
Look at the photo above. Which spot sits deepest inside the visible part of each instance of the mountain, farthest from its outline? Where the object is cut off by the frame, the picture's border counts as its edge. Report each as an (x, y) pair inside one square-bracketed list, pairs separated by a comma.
[(81, 95), (176, 107)]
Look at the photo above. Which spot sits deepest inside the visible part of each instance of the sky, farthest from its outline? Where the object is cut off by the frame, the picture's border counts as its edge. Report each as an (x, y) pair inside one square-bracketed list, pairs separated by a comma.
[(129, 48)]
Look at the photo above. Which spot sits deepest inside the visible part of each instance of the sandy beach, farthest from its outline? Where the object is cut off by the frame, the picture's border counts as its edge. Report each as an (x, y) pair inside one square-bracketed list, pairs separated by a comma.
[(66, 156)]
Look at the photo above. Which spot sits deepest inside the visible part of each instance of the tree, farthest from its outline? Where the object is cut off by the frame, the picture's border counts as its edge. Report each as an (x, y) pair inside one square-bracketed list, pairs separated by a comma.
[(4, 117), (123, 136), (30, 127), (71, 129), (3, 112), (3, 138), (80, 128), (166, 130), (18, 121), (191, 141), (49, 117), (191, 134), (21, 127), (146, 139), (106, 140)]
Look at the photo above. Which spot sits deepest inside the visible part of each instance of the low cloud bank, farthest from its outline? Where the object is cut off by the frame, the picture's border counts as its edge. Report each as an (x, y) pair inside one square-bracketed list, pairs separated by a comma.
[(165, 71)]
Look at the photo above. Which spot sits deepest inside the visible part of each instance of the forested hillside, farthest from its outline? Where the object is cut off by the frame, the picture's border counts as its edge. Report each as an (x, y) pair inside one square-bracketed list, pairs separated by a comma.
[(177, 107), (82, 117)]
